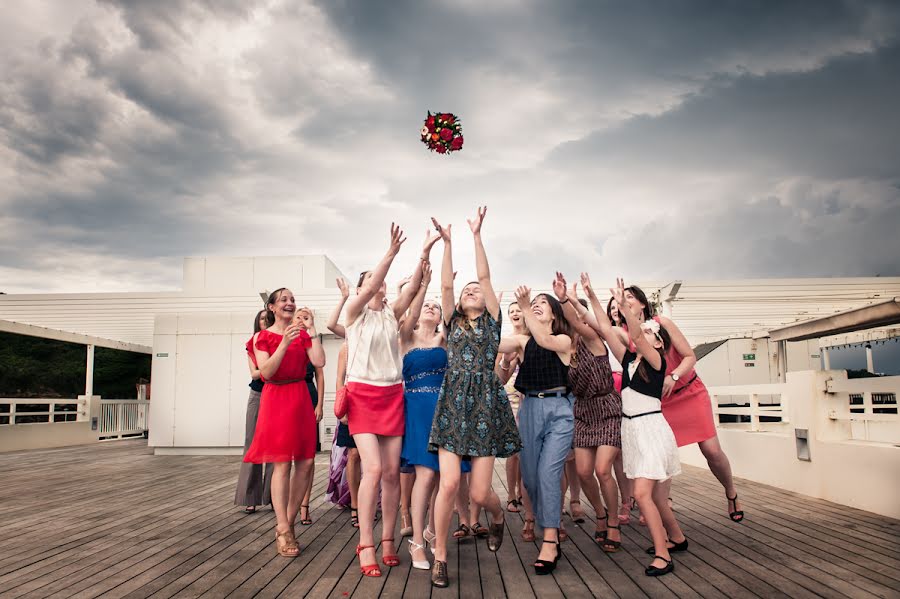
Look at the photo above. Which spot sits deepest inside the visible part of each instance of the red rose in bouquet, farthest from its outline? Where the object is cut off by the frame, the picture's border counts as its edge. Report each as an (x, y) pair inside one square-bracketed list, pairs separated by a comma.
[(442, 132)]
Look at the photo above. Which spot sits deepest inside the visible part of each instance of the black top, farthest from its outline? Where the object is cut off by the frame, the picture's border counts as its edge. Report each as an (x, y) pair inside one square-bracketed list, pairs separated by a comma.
[(257, 385), (541, 369), (654, 387)]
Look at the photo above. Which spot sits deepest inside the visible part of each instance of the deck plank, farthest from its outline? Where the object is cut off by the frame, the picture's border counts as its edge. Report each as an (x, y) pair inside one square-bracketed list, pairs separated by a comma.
[(136, 525)]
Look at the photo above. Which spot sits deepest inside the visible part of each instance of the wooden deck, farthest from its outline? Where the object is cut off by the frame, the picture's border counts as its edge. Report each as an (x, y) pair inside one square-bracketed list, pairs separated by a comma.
[(112, 520)]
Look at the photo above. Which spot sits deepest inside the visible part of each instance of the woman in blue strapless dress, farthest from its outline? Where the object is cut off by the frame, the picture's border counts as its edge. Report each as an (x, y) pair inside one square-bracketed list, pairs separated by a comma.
[(424, 348)]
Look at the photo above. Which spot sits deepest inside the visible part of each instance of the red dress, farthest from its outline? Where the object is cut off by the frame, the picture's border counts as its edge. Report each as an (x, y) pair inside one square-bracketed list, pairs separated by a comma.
[(286, 426)]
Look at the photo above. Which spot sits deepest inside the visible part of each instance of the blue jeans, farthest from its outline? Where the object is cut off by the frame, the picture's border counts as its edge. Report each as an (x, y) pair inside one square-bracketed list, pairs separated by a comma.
[(547, 426)]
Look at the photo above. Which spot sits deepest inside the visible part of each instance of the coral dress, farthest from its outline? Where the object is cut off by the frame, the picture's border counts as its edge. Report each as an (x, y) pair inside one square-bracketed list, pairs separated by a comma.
[(688, 408), (286, 425)]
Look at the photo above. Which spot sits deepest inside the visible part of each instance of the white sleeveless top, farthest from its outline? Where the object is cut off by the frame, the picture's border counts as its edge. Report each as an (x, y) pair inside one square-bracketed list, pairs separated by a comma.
[(373, 348)]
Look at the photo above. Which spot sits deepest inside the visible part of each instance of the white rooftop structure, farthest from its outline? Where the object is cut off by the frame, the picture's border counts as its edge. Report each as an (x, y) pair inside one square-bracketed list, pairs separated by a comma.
[(704, 310)]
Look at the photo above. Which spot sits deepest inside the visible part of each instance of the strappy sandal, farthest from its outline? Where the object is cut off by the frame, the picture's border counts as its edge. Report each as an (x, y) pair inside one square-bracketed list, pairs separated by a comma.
[(305, 521), (543, 567), (577, 518), (354, 517), (609, 545), (600, 535), (286, 544), (416, 563), (462, 532), (389, 559), (429, 538), (479, 531), (250, 509), (528, 530), (625, 514), (737, 515), (512, 505), (371, 570), (406, 528)]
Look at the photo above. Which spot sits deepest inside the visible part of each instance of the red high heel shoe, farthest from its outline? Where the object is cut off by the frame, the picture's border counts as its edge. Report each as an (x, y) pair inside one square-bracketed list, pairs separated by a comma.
[(371, 569), (389, 560)]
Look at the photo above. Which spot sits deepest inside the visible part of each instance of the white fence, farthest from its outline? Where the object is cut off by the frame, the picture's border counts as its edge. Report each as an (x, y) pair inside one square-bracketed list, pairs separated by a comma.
[(872, 407), (120, 418), (768, 401), (17, 411)]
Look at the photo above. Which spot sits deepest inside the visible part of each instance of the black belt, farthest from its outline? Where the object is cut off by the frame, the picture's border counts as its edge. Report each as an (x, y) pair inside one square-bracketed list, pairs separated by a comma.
[(286, 382), (639, 415), (686, 385), (543, 394)]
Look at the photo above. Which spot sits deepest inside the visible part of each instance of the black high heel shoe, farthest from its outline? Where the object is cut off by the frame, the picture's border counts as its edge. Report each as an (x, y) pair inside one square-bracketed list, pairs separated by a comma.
[(543, 567), (654, 571)]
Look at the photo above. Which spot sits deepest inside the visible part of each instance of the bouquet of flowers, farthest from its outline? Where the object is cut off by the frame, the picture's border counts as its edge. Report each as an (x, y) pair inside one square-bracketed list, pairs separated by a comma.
[(442, 132)]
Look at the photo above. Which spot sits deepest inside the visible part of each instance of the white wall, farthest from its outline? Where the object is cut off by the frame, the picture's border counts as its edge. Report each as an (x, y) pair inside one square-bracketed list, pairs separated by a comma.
[(200, 377), (865, 475)]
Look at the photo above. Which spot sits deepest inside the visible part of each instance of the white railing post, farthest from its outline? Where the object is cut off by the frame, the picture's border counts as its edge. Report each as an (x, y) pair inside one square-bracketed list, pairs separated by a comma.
[(754, 412)]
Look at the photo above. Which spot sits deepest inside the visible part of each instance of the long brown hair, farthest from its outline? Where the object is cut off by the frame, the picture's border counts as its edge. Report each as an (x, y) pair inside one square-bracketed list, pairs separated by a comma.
[(273, 297)]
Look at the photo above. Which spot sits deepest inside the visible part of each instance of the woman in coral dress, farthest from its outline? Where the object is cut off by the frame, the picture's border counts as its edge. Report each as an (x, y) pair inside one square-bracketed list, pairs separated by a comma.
[(286, 426)]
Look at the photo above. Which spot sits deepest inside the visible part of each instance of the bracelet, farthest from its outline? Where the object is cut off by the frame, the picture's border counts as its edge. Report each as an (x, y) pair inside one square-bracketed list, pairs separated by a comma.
[(565, 300)]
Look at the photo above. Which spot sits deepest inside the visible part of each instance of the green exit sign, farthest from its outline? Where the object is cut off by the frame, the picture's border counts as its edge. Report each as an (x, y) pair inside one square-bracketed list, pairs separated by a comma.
[(749, 356)]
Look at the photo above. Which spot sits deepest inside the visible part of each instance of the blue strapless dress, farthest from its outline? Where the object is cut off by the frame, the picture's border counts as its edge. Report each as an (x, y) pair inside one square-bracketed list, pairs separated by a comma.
[(423, 374)]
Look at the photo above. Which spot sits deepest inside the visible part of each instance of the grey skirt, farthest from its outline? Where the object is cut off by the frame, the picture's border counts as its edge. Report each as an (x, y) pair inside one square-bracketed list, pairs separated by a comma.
[(254, 486)]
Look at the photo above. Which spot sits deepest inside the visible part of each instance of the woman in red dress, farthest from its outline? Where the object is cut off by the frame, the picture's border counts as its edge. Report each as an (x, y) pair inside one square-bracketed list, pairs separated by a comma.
[(286, 427)]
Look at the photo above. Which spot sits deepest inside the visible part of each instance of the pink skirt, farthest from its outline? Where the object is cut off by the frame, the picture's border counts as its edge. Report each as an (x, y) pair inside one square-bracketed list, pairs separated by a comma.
[(376, 410), (689, 413)]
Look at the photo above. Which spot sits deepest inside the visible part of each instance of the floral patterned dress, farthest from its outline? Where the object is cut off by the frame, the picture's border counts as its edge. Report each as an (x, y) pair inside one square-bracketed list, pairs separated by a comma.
[(473, 417)]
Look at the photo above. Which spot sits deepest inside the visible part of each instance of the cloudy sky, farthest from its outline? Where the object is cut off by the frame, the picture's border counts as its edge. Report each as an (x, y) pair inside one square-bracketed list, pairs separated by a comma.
[(659, 140)]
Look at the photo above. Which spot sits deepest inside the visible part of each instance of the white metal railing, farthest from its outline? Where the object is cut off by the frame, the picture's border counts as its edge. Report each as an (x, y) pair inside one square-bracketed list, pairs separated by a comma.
[(13, 411), (773, 405), (873, 416), (123, 418)]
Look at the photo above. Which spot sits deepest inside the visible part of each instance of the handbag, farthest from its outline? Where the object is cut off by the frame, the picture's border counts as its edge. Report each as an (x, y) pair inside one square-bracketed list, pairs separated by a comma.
[(341, 404)]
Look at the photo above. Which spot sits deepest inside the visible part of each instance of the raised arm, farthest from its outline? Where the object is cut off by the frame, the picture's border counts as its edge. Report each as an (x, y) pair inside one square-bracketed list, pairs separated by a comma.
[(410, 291), (482, 269), (268, 364), (448, 296), (559, 343), (371, 285), (604, 326), (332, 323), (647, 351), (408, 325), (570, 306)]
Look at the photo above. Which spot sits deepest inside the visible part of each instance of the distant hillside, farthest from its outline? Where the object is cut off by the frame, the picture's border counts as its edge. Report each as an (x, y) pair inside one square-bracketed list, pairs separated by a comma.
[(35, 367)]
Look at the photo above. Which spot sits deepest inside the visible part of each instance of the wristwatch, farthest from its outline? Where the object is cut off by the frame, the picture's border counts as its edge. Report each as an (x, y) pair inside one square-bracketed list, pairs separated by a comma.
[(675, 377)]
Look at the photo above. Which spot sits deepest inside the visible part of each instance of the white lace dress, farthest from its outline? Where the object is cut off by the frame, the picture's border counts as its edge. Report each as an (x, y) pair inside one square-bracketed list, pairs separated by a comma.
[(648, 444)]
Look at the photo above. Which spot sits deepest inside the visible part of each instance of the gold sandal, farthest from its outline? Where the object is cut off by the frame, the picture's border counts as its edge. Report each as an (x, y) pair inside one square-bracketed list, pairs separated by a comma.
[(286, 543)]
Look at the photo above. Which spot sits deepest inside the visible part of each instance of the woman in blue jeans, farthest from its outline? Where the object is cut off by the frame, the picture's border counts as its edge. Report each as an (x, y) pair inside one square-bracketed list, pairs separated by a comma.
[(546, 420)]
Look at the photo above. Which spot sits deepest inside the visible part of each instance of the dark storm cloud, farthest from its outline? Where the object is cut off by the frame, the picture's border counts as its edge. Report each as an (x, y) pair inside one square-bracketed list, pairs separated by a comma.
[(751, 139)]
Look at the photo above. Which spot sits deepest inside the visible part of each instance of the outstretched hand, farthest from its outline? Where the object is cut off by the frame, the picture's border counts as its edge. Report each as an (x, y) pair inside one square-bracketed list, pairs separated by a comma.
[(443, 231), (431, 237), (586, 284), (523, 297), (342, 285), (476, 223), (559, 286), (426, 274), (618, 293), (397, 239)]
